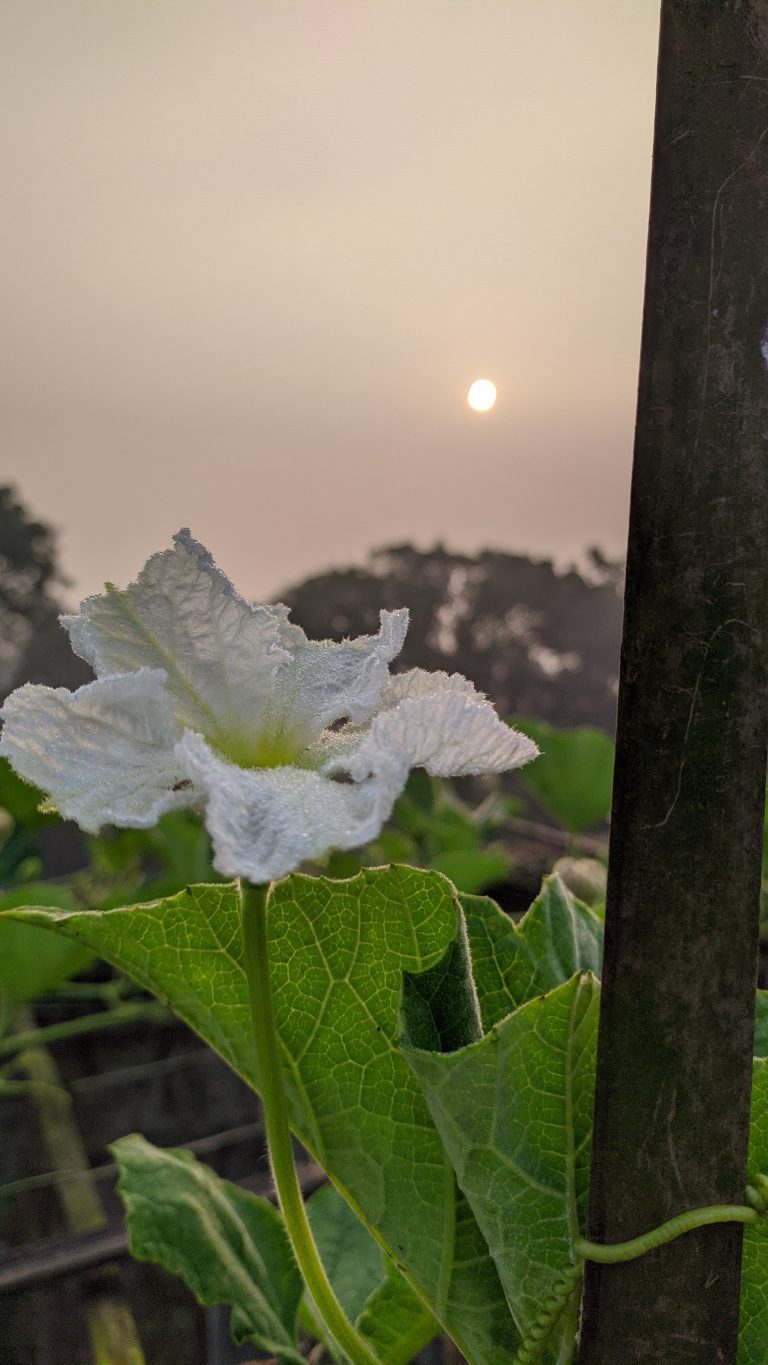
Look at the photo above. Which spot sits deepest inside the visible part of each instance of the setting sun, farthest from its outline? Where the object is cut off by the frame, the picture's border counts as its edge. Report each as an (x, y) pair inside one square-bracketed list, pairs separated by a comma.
[(482, 395)]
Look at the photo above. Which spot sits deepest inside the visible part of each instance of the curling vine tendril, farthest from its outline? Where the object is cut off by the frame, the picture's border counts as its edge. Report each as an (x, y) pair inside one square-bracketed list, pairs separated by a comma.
[(566, 1286)]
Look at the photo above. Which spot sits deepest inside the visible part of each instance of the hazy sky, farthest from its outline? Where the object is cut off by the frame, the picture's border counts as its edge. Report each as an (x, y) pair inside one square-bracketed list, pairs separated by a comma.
[(254, 252)]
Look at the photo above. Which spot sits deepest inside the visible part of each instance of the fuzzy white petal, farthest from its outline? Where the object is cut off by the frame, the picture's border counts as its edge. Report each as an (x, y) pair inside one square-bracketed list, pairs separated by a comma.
[(451, 733), (264, 822), (183, 615), (419, 682), (325, 681), (104, 754)]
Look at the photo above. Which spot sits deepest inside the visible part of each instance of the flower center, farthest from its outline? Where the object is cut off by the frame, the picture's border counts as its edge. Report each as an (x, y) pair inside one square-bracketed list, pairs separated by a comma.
[(261, 749)]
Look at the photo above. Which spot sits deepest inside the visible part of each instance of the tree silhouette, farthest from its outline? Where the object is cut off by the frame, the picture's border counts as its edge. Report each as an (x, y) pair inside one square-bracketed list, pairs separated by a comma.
[(536, 641), (28, 574)]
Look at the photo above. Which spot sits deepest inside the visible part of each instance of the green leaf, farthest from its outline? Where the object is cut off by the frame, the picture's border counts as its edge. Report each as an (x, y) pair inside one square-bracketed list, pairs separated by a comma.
[(439, 1006), (34, 960), (370, 1288), (338, 952), (395, 1322), (472, 870), (753, 1312), (514, 962), (761, 1024), (450, 829), (515, 1114), (21, 800), (573, 774), (353, 1261), (227, 1245), (587, 879)]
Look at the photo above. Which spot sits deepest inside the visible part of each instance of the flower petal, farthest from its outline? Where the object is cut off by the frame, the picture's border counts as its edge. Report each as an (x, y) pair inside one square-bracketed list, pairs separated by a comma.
[(451, 733), (420, 682), (105, 753), (325, 681), (183, 615), (265, 822)]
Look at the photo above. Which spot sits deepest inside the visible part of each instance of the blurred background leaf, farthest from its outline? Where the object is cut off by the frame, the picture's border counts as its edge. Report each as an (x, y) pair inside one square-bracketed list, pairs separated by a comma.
[(34, 960), (573, 775)]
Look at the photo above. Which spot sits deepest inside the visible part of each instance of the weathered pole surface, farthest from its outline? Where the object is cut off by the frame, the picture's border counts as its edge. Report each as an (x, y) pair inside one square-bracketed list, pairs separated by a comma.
[(676, 1025)]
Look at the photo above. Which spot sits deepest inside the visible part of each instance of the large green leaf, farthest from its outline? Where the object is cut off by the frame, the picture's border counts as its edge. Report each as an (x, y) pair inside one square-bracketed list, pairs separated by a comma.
[(368, 1285), (753, 1318), (338, 951), (227, 1245), (32, 959), (513, 963), (515, 1114), (573, 774)]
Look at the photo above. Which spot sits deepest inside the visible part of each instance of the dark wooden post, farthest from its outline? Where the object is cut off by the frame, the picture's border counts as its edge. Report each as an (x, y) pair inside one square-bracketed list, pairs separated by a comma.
[(681, 933)]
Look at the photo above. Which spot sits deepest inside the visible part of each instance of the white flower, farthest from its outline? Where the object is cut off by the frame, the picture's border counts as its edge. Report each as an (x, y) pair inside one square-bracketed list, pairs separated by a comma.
[(291, 746)]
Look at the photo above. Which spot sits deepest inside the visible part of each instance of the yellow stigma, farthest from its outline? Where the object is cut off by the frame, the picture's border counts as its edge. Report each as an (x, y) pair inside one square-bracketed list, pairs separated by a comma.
[(261, 750)]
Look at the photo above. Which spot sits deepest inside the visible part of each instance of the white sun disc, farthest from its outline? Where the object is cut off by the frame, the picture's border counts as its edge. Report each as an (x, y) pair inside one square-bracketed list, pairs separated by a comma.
[(482, 395)]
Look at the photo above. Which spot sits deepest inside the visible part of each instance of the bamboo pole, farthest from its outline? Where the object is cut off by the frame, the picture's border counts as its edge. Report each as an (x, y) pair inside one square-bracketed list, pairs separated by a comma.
[(676, 1025)]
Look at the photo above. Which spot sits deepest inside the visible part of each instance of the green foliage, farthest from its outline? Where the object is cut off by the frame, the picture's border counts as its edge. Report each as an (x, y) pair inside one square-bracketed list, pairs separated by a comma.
[(142, 865), (32, 959), (338, 952), (753, 1309), (557, 938), (430, 827), (20, 818), (470, 869), (761, 1024), (468, 1162), (21, 800), (515, 1114), (227, 1245), (587, 878), (439, 1008), (368, 1285), (572, 776)]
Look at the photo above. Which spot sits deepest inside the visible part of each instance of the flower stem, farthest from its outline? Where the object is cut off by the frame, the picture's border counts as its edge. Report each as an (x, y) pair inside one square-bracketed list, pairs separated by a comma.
[(253, 902)]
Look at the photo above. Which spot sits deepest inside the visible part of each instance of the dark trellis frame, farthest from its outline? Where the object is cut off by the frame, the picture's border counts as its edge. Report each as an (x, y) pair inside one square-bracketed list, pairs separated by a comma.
[(674, 1066)]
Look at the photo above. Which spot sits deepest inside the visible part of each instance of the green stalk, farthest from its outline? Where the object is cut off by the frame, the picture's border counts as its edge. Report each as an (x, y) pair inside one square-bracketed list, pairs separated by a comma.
[(613, 1253), (253, 902)]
